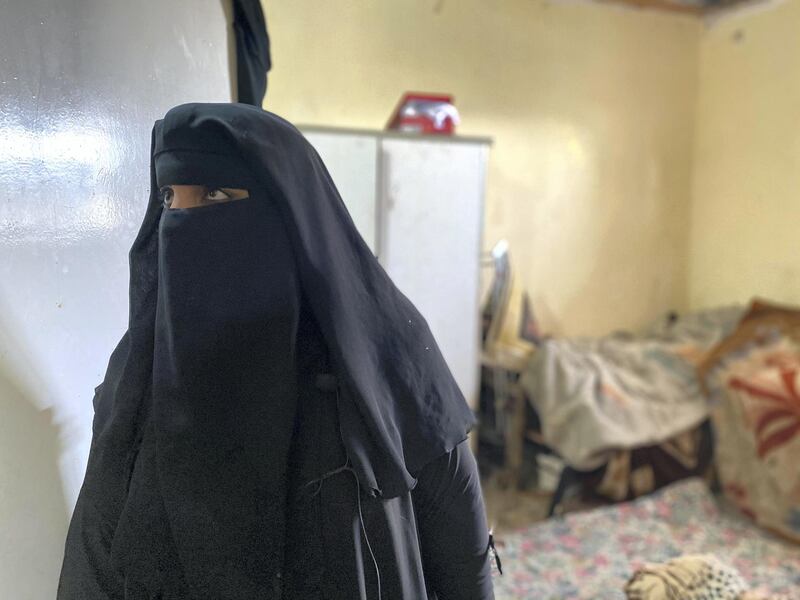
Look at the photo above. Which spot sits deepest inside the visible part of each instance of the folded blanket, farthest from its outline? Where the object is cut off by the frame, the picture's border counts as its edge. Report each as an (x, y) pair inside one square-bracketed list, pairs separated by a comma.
[(692, 577), (595, 396)]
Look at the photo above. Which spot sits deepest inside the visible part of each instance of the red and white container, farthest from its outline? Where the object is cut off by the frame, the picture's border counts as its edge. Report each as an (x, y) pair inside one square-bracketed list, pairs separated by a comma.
[(425, 113)]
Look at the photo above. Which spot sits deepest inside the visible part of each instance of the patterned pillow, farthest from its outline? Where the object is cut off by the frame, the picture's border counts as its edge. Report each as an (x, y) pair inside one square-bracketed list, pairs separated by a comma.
[(754, 382)]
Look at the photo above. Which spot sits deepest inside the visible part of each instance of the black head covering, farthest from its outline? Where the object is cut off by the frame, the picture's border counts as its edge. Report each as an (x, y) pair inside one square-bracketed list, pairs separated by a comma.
[(399, 405)]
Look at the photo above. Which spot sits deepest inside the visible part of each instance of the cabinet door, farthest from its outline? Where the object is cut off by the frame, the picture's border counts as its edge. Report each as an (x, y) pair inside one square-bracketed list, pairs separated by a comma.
[(351, 160), (430, 240)]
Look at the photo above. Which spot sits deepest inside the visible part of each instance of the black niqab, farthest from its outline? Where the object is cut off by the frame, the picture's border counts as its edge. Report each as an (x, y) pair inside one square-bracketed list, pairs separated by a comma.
[(225, 388)]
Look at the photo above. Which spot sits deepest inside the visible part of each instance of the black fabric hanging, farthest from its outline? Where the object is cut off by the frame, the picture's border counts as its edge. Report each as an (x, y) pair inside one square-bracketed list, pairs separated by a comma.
[(253, 59)]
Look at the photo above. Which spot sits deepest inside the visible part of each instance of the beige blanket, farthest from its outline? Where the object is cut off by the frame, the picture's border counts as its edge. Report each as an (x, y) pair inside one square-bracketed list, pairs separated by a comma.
[(693, 577)]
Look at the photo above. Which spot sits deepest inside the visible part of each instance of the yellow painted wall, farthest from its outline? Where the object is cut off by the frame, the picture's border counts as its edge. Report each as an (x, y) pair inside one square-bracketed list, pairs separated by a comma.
[(591, 108), (745, 236)]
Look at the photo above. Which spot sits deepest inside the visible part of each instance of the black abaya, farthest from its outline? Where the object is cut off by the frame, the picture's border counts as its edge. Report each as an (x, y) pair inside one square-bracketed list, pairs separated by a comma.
[(430, 543)]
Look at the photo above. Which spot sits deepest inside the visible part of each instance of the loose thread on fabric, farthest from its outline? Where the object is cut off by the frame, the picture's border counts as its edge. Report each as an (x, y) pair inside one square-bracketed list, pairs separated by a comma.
[(346, 467), (493, 551)]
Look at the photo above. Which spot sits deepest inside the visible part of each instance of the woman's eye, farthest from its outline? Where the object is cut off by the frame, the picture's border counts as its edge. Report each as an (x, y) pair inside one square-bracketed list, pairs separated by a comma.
[(217, 195), (167, 194)]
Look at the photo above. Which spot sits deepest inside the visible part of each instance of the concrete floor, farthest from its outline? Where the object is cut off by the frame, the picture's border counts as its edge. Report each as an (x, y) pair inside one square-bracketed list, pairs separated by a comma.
[(509, 509)]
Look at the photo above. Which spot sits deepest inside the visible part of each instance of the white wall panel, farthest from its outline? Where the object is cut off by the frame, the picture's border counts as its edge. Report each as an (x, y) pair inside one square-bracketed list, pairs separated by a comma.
[(81, 82)]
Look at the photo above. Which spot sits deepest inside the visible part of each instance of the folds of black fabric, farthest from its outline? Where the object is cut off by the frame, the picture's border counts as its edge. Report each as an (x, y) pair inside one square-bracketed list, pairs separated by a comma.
[(193, 422), (253, 57), (340, 543), (401, 405), (430, 543), (225, 390)]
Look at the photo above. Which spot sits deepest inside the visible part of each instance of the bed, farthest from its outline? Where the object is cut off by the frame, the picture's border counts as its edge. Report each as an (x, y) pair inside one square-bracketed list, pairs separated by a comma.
[(591, 555)]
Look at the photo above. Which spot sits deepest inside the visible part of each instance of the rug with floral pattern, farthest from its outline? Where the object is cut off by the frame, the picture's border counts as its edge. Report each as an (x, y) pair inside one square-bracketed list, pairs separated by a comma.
[(591, 555)]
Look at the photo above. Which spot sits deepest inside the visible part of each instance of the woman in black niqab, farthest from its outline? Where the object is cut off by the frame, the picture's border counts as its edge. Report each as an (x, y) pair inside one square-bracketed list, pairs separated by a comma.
[(277, 421)]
